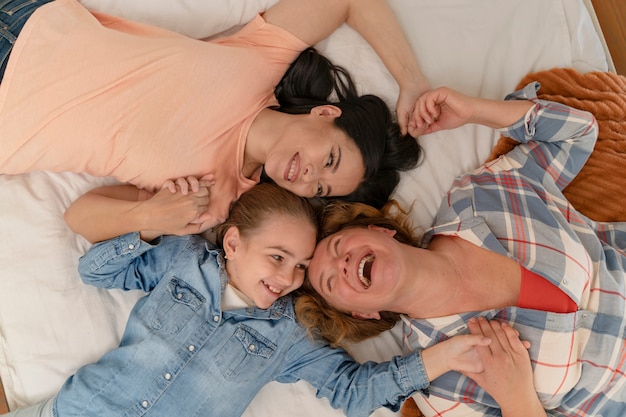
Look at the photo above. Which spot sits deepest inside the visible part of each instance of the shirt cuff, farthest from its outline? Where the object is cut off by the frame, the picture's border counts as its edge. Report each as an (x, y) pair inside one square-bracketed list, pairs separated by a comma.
[(104, 252), (523, 129), (416, 377)]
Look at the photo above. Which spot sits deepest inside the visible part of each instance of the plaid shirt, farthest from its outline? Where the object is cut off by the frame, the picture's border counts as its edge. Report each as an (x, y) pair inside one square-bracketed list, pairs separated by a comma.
[(515, 206)]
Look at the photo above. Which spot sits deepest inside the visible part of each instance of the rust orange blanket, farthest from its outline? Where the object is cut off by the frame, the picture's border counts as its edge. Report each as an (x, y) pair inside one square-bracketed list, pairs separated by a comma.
[(599, 190)]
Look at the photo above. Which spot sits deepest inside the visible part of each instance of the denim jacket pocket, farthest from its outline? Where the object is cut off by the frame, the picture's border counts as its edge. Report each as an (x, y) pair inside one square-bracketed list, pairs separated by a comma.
[(175, 306), (244, 354)]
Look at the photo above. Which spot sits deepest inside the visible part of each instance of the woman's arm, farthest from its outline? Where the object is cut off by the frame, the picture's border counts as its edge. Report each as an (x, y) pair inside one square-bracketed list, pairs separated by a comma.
[(567, 134), (312, 21), (444, 108), (111, 211)]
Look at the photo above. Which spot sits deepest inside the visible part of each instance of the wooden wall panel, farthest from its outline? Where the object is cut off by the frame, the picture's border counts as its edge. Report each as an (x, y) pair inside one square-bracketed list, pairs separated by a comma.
[(612, 17)]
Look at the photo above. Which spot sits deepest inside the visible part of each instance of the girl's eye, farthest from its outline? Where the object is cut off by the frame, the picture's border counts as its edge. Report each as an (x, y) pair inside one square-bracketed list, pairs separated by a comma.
[(329, 284), (301, 267), (277, 258)]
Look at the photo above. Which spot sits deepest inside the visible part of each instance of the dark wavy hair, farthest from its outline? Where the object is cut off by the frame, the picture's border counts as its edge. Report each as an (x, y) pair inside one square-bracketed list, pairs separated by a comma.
[(312, 80)]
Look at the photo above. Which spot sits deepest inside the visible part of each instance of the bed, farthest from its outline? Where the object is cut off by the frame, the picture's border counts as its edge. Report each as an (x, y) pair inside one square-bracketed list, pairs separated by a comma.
[(51, 323)]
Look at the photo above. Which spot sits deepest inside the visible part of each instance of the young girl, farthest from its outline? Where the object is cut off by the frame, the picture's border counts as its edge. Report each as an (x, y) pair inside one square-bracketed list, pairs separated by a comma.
[(215, 326)]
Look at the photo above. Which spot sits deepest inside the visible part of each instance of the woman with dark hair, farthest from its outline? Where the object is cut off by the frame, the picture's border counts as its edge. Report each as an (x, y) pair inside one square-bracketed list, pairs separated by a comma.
[(506, 251), (310, 81), (99, 96)]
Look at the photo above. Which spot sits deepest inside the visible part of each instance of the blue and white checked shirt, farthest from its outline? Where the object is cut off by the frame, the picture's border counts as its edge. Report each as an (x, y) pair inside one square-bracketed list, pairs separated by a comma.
[(515, 206)]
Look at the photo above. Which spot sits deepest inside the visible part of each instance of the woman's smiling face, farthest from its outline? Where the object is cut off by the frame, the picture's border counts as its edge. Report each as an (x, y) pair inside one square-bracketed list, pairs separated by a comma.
[(356, 269), (316, 158)]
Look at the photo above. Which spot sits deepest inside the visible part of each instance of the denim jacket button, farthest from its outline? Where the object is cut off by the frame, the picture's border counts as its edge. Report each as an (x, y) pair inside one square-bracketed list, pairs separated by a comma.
[(144, 404), (191, 348), (131, 246), (252, 347), (216, 318), (168, 376)]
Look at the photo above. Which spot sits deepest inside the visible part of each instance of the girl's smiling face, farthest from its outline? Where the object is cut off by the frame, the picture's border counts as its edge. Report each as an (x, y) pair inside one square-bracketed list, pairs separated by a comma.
[(356, 270), (272, 261)]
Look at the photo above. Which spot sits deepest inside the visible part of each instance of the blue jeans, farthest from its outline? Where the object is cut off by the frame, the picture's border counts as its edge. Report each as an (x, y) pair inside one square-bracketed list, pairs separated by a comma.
[(13, 15)]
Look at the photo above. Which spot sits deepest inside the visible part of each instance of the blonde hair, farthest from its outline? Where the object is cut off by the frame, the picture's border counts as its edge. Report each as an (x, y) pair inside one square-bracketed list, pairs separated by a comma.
[(313, 311), (260, 203)]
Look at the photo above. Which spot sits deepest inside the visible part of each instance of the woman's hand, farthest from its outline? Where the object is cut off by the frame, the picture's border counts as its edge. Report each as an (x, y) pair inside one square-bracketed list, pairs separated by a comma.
[(455, 354), (177, 207), (405, 107), (507, 375), (441, 109)]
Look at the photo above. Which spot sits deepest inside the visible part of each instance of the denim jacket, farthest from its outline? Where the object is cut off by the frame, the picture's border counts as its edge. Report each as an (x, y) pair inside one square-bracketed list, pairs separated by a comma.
[(182, 355)]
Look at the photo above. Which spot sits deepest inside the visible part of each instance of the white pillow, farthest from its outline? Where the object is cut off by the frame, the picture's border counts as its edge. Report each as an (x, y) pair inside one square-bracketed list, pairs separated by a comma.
[(195, 18)]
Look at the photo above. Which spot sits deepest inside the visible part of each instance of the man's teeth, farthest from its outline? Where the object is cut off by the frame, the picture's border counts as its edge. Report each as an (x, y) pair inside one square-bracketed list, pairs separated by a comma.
[(364, 277)]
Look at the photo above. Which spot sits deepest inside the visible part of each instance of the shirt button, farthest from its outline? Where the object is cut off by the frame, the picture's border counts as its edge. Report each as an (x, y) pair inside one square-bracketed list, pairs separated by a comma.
[(131, 246), (168, 376), (179, 295), (565, 282), (191, 348), (216, 318), (144, 404), (252, 347)]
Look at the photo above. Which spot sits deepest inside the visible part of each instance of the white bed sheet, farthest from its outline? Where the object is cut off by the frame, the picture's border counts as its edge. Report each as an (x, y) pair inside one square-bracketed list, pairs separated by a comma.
[(51, 324)]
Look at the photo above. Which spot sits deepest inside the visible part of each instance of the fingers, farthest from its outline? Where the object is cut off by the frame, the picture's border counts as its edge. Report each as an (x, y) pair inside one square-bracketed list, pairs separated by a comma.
[(479, 340), (415, 131), (194, 184), (404, 121), (189, 184), (506, 337), (206, 183), (182, 185), (428, 109), (170, 185), (513, 338), (431, 109)]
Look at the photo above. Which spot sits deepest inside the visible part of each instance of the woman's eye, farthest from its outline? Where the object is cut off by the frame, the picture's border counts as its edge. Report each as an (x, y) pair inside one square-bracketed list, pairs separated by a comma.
[(331, 160), (301, 267), (277, 258), (329, 284), (319, 190)]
